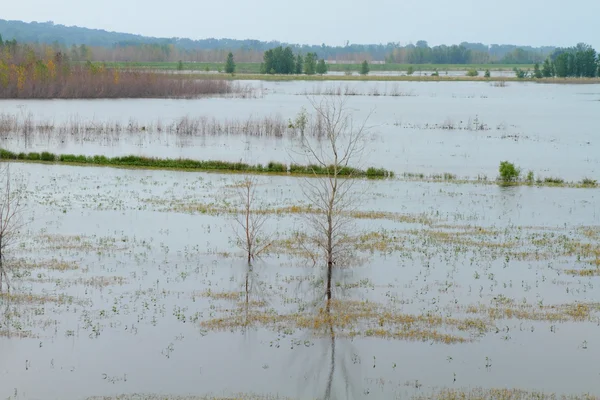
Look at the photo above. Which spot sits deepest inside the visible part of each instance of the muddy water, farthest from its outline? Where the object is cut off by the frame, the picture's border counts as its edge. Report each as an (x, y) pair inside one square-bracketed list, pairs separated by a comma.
[(144, 333), (548, 129)]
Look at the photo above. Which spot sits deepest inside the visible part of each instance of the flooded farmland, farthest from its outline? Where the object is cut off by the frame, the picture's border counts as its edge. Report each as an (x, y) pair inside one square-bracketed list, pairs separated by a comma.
[(132, 283)]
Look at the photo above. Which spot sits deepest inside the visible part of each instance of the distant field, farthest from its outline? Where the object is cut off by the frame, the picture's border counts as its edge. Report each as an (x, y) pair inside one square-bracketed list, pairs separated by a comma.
[(254, 68)]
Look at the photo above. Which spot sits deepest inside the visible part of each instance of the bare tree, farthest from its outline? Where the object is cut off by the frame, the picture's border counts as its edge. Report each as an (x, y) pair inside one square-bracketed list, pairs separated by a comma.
[(11, 209), (331, 194), (249, 222)]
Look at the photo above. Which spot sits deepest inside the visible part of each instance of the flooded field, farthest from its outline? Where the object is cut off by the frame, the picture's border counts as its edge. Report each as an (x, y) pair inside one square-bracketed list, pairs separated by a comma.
[(463, 128), (132, 281)]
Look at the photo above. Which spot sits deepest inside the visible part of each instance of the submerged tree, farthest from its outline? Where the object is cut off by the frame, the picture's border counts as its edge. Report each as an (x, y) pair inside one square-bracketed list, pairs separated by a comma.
[(230, 64), (332, 196), (11, 221), (250, 221)]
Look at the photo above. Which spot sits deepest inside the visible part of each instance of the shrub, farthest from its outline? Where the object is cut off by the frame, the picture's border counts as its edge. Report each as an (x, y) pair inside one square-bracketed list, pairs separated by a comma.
[(33, 156), (73, 158), (530, 177), (589, 182), (6, 154), (46, 156), (276, 167), (554, 180), (509, 172), (520, 74), (472, 72), (378, 172), (487, 73)]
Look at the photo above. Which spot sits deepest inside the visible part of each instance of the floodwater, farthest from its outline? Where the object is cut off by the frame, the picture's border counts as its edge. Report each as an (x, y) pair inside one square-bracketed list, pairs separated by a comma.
[(551, 130), (135, 268)]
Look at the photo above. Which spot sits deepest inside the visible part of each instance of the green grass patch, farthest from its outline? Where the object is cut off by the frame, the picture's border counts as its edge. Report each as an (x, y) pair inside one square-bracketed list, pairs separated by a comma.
[(188, 164)]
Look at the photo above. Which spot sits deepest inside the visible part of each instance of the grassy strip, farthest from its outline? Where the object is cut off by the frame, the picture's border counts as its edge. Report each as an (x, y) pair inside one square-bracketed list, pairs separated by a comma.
[(187, 164), (387, 78)]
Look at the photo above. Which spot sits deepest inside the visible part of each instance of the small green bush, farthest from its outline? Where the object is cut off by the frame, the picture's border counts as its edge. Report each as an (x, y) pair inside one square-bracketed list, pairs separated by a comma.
[(276, 167), (7, 155), (487, 74), (33, 156), (554, 180), (472, 72), (46, 156), (530, 177), (509, 172), (589, 182)]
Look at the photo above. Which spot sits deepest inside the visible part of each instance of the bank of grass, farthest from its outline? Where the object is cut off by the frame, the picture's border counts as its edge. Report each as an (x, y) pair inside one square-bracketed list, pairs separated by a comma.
[(188, 164)]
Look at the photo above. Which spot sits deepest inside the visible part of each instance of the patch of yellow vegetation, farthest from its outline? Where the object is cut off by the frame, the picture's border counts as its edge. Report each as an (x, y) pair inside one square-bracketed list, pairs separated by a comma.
[(499, 394), (354, 319)]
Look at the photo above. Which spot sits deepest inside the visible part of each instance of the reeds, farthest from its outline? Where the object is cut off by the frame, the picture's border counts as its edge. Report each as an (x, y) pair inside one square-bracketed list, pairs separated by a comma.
[(347, 90), (76, 127), (93, 82)]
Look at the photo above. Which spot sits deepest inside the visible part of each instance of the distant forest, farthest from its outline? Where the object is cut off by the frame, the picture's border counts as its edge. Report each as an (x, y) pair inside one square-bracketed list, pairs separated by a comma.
[(99, 45)]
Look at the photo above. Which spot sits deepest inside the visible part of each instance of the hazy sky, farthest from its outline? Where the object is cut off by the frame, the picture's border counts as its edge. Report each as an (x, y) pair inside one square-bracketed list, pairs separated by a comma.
[(525, 22)]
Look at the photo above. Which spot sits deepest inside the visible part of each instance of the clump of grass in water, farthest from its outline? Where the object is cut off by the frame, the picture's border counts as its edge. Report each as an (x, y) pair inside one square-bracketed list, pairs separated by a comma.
[(181, 163)]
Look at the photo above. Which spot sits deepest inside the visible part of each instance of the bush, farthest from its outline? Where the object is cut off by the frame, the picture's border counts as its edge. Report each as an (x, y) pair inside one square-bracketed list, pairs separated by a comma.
[(472, 72), (554, 180), (487, 73), (276, 167), (530, 177), (33, 156), (520, 74), (6, 154), (377, 172), (46, 156), (72, 158), (589, 182), (509, 172)]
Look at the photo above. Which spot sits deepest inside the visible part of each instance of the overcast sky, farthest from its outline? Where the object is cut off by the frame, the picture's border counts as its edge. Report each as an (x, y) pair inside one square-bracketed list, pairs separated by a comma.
[(524, 22)]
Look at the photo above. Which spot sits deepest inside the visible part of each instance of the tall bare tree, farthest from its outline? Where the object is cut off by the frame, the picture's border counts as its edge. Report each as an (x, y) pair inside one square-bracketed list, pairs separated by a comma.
[(250, 221), (333, 195), (11, 221)]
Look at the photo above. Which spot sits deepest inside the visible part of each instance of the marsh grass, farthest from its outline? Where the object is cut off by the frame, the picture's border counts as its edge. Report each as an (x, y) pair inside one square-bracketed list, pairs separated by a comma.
[(52, 264), (510, 309), (355, 319), (346, 90)]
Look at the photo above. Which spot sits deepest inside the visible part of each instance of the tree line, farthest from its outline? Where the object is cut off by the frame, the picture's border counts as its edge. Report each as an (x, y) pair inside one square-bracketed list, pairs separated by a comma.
[(580, 61), (113, 46), (283, 61)]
